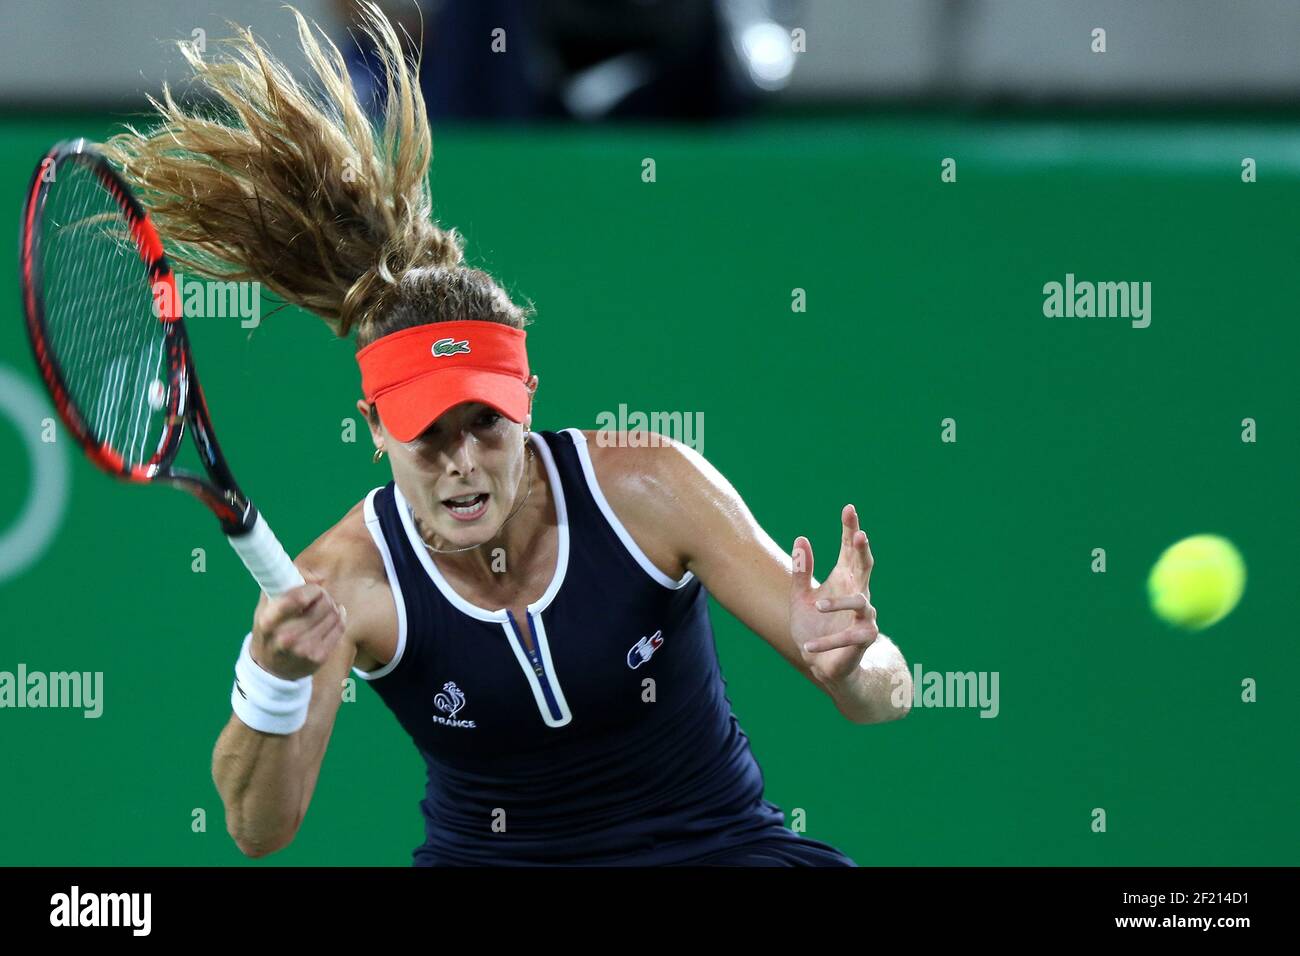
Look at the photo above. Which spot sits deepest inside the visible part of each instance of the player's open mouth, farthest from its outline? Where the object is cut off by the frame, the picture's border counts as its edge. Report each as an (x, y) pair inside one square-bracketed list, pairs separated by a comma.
[(467, 507)]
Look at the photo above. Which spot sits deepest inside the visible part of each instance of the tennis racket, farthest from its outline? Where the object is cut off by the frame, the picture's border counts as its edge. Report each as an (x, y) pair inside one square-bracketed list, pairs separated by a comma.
[(104, 320)]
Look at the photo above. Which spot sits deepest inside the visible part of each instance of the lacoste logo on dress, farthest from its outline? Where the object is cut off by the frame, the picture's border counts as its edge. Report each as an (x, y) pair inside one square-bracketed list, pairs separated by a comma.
[(644, 649)]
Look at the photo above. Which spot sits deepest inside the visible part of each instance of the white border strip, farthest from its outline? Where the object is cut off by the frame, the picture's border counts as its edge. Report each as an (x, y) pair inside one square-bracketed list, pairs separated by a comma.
[(377, 534), (589, 471), (501, 615), (561, 559), (544, 649), (431, 569), (562, 521)]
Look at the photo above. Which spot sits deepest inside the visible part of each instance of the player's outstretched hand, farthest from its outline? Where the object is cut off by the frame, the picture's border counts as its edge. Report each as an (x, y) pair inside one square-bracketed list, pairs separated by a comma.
[(835, 623)]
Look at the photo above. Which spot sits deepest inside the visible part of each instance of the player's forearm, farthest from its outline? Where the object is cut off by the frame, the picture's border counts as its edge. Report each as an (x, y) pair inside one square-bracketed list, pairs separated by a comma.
[(261, 779), (879, 690)]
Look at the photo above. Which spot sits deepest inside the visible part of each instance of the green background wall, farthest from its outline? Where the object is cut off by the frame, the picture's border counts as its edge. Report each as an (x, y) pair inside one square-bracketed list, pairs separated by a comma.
[(924, 302)]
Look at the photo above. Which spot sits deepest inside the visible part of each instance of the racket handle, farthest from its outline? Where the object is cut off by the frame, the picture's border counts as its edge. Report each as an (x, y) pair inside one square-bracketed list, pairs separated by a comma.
[(265, 558)]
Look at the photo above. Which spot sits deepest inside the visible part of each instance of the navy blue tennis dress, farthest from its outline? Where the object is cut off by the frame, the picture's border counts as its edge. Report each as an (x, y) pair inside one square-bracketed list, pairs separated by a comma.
[(597, 730)]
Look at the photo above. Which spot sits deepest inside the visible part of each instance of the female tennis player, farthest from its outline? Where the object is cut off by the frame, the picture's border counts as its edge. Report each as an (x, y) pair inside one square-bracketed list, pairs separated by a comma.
[(531, 605)]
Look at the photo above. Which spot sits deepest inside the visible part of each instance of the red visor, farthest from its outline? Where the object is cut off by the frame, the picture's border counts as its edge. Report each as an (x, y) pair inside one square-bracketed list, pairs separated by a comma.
[(415, 375)]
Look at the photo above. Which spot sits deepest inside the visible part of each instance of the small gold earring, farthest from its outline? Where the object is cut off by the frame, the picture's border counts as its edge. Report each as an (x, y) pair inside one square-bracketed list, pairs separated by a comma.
[(379, 453)]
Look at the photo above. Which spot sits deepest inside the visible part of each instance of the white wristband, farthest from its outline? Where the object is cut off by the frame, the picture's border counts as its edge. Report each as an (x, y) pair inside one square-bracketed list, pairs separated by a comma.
[(265, 702)]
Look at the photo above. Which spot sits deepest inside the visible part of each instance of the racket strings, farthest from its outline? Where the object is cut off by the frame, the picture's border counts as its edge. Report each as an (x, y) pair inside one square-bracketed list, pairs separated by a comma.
[(100, 316)]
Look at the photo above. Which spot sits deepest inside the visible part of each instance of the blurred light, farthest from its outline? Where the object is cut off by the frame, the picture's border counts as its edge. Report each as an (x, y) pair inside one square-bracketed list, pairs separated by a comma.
[(597, 90), (767, 54)]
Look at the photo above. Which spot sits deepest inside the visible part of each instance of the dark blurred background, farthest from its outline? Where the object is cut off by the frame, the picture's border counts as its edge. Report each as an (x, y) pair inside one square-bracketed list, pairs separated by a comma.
[(703, 59)]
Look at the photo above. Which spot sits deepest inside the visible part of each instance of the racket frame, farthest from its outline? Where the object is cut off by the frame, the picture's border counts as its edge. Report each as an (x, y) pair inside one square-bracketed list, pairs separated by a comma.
[(185, 401), (246, 530)]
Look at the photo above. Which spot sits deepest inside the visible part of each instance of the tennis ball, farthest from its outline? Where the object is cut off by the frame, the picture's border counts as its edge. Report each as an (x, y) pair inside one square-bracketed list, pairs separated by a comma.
[(157, 395), (1197, 581)]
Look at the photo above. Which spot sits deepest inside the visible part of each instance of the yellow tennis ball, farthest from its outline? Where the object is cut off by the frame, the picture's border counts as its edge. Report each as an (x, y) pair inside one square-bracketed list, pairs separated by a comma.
[(1197, 581)]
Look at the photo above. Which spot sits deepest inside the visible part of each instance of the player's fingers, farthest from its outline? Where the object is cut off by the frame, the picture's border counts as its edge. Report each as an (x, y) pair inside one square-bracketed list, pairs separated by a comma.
[(313, 579), (324, 606), (321, 643), (295, 612), (294, 603), (860, 635), (306, 641), (865, 559), (848, 527), (801, 560), (321, 611), (852, 602)]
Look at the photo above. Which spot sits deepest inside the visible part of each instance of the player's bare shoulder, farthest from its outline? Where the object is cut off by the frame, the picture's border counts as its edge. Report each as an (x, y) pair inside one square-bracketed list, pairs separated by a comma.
[(338, 548), (351, 569), (647, 482)]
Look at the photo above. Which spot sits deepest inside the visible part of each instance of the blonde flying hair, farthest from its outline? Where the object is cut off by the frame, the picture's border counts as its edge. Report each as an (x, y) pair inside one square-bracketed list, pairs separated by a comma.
[(292, 185)]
